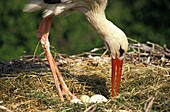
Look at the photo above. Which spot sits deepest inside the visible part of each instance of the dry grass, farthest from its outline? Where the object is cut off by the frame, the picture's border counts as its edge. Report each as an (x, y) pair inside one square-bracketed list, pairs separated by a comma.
[(27, 85)]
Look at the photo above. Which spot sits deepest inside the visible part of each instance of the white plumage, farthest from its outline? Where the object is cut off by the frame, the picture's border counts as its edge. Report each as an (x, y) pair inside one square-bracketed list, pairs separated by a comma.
[(49, 9)]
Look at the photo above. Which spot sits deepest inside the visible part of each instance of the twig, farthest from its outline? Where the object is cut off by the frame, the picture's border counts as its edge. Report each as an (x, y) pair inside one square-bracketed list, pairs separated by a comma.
[(91, 108), (4, 109), (148, 107), (35, 51), (133, 40)]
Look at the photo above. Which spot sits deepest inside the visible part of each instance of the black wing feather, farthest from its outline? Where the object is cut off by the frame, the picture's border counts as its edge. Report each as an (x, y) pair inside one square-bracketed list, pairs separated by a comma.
[(52, 1)]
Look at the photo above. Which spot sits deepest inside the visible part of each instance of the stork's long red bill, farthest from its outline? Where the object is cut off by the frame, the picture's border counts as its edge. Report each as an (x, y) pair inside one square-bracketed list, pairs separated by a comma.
[(116, 74)]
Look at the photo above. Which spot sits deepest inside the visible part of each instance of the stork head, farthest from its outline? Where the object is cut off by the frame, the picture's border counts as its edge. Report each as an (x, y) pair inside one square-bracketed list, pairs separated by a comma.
[(117, 44)]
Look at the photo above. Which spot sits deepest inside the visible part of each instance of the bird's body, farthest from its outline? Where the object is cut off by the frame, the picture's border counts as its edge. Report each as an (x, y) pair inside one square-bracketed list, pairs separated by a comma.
[(94, 10)]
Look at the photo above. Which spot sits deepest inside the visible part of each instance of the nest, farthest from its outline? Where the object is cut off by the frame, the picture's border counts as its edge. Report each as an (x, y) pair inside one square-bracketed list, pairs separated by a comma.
[(27, 84)]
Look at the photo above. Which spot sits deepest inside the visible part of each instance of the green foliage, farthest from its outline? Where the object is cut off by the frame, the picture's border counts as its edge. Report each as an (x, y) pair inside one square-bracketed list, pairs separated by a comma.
[(141, 20)]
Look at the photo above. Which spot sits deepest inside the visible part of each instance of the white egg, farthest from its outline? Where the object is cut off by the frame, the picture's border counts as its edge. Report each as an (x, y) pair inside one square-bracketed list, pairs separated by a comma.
[(85, 98), (76, 101), (97, 99)]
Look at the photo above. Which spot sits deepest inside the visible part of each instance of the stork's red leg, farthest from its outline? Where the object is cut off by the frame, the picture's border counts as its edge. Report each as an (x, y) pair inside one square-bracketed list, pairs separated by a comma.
[(42, 35), (116, 72)]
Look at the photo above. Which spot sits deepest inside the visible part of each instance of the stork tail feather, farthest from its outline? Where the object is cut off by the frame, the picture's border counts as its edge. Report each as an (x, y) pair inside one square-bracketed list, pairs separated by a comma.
[(33, 5)]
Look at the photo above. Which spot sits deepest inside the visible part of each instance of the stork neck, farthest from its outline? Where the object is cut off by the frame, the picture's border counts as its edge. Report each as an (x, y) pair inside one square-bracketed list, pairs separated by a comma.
[(101, 24), (110, 33)]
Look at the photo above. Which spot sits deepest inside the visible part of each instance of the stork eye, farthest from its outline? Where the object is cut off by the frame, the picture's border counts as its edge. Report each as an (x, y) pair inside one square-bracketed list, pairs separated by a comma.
[(121, 51)]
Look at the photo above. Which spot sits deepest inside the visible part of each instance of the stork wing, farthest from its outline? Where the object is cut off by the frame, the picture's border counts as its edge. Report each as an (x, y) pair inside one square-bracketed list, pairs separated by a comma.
[(52, 7), (52, 1), (56, 1)]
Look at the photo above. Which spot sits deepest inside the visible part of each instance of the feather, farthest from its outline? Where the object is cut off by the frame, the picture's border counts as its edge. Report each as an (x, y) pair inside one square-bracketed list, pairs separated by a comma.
[(34, 5), (47, 13), (56, 1), (50, 9)]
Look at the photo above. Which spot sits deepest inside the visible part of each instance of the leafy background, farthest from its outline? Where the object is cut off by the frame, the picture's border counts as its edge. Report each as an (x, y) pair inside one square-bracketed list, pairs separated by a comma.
[(141, 20)]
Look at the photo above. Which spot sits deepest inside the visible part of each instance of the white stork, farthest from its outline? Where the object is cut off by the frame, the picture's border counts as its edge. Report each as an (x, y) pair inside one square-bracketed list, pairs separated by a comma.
[(94, 10)]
